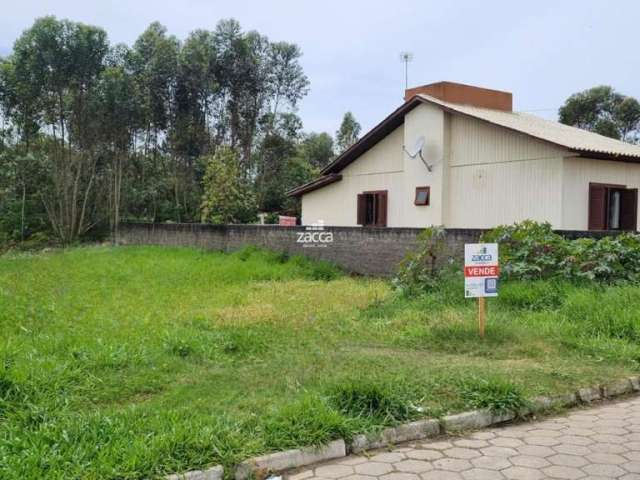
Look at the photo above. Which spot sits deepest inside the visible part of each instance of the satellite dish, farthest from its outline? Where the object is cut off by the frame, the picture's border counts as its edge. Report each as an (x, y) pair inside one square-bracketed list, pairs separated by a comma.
[(417, 148)]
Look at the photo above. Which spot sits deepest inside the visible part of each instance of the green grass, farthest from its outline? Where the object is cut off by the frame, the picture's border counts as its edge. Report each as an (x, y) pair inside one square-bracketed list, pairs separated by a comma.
[(135, 362)]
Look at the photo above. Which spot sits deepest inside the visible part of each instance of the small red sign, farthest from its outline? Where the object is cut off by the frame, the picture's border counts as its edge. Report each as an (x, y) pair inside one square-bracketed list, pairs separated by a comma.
[(284, 221), (482, 271)]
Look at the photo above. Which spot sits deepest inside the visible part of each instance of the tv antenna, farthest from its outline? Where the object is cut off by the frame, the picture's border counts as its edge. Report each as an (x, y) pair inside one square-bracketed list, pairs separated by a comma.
[(406, 57)]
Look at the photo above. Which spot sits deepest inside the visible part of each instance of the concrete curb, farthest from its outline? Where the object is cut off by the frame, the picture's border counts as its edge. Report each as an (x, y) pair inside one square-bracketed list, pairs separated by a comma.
[(402, 433), (213, 473), (261, 467)]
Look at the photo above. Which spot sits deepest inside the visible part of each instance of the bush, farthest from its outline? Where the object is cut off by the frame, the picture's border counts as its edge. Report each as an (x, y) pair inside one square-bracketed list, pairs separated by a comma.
[(531, 250), (422, 269), (528, 250)]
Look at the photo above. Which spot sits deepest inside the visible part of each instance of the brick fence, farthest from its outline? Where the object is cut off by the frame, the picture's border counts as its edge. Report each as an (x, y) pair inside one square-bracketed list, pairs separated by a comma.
[(366, 251)]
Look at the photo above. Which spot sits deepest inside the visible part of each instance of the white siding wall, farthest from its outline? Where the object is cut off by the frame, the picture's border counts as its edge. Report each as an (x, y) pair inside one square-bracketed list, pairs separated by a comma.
[(498, 176), (387, 167), (380, 168), (578, 173), (484, 176)]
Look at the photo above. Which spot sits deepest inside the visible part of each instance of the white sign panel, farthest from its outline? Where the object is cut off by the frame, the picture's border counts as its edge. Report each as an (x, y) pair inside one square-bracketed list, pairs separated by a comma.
[(481, 270)]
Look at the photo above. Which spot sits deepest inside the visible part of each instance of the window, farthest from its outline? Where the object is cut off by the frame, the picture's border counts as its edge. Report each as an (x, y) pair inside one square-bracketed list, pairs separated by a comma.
[(372, 208), (422, 196), (612, 207)]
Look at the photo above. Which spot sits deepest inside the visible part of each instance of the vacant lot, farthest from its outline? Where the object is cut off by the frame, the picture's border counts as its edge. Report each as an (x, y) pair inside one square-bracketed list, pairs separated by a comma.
[(136, 362)]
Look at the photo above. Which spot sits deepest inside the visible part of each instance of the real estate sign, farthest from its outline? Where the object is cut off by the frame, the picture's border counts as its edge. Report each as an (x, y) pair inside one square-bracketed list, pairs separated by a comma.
[(481, 270)]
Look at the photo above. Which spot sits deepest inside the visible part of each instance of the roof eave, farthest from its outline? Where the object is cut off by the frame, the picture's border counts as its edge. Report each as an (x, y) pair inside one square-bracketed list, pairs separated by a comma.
[(314, 185), (373, 136), (605, 155)]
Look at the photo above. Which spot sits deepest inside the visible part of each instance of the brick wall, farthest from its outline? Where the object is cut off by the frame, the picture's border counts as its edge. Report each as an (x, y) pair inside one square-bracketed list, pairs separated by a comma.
[(366, 251)]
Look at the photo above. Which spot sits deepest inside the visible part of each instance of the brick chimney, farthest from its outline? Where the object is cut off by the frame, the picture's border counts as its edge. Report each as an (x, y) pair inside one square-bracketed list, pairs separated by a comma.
[(465, 94)]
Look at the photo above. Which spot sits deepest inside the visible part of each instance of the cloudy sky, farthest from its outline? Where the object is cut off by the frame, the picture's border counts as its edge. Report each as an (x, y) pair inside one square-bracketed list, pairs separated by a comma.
[(541, 51)]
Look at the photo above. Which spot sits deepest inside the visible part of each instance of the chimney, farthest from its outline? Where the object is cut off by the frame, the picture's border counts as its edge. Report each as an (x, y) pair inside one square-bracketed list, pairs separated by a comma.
[(465, 94)]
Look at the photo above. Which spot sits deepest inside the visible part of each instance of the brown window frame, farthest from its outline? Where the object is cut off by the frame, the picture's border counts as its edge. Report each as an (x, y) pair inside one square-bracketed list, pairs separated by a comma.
[(425, 189), (380, 205), (598, 210)]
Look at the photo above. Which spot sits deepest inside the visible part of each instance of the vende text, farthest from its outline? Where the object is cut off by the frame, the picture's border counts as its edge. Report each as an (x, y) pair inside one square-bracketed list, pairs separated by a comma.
[(484, 271)]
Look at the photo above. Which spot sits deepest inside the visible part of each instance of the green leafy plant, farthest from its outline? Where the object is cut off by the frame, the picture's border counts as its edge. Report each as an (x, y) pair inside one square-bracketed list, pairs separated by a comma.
[(227, 197), (422, 268), (530, 251)]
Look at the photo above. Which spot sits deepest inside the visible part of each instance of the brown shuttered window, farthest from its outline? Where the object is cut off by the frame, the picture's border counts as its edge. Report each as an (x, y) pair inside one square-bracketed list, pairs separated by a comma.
[(372, 208), (597, 207), (629, 209), (381, 209), (362, 208)]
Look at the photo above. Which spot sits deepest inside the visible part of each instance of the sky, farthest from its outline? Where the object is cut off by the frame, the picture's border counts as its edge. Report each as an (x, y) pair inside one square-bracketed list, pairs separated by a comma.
[(541, 51)]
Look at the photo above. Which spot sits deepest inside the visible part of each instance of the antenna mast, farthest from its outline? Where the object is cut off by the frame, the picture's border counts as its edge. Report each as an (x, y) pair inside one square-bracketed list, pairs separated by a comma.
[(406, 57)]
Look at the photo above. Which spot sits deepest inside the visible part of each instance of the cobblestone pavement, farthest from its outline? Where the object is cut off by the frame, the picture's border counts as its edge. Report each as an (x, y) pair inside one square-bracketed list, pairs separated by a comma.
[(597, 443)]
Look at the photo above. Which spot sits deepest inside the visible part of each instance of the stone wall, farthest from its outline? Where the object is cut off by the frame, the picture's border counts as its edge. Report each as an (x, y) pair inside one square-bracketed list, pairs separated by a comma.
[(366, 251)]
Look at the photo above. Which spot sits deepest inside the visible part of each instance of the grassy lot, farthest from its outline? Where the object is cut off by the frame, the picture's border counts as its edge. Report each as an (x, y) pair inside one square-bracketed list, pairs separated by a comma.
[(136, 362)]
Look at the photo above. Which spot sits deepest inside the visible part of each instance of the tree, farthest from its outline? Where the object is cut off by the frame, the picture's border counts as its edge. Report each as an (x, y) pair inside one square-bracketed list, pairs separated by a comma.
[(93, 132), (348, 132), (227, 198), (317, 149), (603, 110), (274, 155), (118, 107), (51, 77)]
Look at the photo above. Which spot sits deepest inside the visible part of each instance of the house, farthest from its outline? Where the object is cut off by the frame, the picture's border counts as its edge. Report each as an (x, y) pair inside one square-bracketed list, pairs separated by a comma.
[(459, 156)]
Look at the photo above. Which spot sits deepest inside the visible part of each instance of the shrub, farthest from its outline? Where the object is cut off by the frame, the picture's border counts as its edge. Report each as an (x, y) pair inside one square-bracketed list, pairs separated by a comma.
[(607, 259), (528, 250), (422, 268), (531, 250)]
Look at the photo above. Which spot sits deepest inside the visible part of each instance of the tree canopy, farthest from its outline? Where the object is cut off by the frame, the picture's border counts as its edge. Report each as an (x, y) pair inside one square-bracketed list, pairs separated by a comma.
[(603, 110), (94, 132)]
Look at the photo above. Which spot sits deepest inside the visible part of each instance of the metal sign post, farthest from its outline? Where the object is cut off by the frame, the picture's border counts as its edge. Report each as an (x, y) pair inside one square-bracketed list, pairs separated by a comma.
[(481, 272)]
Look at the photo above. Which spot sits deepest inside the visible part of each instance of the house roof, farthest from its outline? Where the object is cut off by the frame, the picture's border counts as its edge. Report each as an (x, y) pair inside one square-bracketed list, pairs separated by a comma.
[(575, 139), (315, 184), (581, 142)]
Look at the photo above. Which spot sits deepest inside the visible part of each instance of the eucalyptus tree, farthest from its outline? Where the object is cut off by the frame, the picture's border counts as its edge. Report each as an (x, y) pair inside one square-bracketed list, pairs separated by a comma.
[(119, 107), (50, 78), (153, 61), (348, 132)]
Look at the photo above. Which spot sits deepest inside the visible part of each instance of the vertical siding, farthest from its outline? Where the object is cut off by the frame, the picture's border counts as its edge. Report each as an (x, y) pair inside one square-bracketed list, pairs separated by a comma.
[(380, 168), (387, 167), (474, 141), (578, 173), (498, 176), (483, 196)]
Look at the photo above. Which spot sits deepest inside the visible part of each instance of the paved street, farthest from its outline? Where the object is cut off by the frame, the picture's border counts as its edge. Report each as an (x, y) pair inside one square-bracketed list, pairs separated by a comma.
[(597, 443)]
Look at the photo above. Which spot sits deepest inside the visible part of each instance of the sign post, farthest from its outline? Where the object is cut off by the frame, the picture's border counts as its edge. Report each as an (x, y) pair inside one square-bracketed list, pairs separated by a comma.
[(481, 272)]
